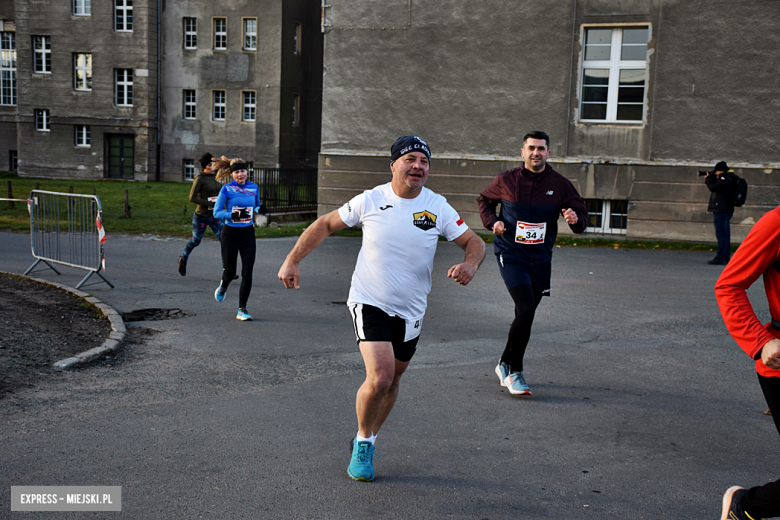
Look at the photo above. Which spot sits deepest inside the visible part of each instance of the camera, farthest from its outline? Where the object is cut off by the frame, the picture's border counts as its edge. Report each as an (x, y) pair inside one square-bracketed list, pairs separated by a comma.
[(702, 174)]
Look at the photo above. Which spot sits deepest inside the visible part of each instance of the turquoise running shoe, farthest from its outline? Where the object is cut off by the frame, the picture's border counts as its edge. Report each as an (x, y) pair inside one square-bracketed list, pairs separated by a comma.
[(220, 293), (243, 315), (361, 467), (515, 383), (502, 370)]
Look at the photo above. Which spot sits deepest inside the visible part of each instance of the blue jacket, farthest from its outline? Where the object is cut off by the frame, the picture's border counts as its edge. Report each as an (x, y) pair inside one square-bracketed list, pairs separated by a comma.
[(244, 199)]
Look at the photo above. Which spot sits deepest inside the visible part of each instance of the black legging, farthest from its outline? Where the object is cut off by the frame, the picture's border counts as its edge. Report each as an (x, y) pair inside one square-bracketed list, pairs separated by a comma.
[(237, 240), (526, 298), (764, 501)]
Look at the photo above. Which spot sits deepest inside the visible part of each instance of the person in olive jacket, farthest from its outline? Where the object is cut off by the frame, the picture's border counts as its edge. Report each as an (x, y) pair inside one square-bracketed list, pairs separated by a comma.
[(205, 189)]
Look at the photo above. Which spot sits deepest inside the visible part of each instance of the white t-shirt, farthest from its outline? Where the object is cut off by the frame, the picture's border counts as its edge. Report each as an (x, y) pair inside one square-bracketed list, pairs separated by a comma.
[(393, 270)]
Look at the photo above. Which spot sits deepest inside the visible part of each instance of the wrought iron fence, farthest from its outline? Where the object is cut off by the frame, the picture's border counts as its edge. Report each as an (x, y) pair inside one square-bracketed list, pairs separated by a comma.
[(287, 190)]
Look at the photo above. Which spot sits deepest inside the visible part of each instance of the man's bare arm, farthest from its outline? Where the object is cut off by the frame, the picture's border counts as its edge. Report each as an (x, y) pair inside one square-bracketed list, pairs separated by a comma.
[(474, 248)]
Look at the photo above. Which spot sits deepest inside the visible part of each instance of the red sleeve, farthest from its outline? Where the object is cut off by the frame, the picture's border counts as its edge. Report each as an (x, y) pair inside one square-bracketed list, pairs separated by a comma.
[(756, 254), (488, 201)]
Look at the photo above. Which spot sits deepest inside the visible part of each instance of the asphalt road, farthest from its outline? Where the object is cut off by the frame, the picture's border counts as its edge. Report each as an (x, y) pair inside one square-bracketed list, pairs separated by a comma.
[(643, 406)]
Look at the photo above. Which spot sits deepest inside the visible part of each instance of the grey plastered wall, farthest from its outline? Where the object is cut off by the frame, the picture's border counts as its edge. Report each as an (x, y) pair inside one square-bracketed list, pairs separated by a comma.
[(668, 203), (459, 74), (473, 78), (54, 153), (234, 71)]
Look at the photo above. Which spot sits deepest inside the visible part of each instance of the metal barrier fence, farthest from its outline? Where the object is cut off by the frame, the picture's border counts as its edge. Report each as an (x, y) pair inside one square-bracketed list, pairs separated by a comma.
[(66, 229), (287, 191)]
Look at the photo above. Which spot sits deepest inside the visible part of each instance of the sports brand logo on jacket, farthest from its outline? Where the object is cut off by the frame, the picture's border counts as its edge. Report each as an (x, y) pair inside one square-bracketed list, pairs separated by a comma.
[(425, 220)]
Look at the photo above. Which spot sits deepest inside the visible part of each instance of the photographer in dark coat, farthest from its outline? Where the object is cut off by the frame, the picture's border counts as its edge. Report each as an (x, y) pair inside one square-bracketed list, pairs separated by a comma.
[(722, 183)]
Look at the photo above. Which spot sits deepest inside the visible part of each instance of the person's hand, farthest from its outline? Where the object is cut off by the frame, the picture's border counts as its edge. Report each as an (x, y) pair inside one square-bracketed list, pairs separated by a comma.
[(570, 216), (498, 227), (290, 275), (235, 214), (462, 273), (770, 354)]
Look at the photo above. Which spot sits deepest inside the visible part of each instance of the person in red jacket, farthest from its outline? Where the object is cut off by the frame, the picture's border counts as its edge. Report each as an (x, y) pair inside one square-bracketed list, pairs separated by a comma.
[(758, 255)]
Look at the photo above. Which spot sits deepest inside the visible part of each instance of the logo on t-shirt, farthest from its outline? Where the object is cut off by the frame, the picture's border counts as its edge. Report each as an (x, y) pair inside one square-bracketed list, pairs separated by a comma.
[(425, 220)]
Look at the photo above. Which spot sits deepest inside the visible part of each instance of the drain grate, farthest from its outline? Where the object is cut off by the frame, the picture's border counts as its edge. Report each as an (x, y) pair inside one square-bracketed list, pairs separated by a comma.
[(154, 315)]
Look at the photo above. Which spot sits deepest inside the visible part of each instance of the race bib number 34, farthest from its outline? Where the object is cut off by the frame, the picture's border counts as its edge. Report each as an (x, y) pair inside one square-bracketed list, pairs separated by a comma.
[(530, 233)]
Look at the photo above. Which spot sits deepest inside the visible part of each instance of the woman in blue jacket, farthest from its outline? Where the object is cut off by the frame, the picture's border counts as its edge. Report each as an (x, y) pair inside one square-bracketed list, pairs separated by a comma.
[(236, 205)]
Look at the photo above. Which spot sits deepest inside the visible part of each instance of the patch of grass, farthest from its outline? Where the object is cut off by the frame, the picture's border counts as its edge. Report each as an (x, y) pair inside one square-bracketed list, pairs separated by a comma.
[(156, 208), (159, 208), (92, 309)]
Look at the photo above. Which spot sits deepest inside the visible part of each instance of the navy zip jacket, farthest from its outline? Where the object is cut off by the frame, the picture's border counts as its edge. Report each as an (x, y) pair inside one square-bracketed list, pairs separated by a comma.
[(533, 198)]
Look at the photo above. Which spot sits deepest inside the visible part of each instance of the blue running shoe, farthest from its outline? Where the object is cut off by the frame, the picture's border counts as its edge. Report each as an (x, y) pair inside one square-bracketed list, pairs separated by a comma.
[(361, 467), (219, 294), (515, 383), (502, 370), (243, 315)]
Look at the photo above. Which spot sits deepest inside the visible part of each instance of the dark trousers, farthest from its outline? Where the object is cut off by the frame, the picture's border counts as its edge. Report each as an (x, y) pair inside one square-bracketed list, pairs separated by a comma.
[(526, 298), (235, 241), (723, 234), (199, 225), (764, 501)]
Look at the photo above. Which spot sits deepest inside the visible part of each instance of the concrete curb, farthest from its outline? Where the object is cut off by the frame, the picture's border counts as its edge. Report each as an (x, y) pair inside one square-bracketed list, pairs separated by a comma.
[(115, 338)]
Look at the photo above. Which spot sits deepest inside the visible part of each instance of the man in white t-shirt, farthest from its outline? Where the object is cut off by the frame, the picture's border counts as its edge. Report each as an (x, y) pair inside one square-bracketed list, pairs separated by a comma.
[(401, 223)]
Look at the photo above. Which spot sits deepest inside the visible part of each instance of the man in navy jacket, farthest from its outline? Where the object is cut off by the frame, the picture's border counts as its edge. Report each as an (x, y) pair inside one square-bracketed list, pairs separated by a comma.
[(532, 198)]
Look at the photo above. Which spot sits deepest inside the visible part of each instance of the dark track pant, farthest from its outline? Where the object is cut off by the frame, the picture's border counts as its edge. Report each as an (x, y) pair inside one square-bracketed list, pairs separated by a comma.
[(723, 234), (526, 298), (199, 225), (235, 241), (764, 501)]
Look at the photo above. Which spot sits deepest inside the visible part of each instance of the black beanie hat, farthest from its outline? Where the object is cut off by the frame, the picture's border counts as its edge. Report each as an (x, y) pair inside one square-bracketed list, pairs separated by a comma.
[(205, 160), (721, 167), (406, 144)]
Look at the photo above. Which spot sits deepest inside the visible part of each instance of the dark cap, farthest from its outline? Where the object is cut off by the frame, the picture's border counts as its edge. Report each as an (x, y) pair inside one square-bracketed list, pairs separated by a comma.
[(205, 160), (721, 167), (408, 144)]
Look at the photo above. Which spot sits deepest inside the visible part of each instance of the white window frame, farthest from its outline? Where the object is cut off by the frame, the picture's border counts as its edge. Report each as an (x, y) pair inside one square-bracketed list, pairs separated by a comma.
[(220, 36), (82, 7), (8, 68), (42, 120), (219, 105), (614, 66), (85, 83), (189, 103), (190, 33), (123, 86), (190, 172), (607, 214), (250, 34), (296, 109), (249, 106), (123, 15), (83, 136), (298, 39), (42, 54)]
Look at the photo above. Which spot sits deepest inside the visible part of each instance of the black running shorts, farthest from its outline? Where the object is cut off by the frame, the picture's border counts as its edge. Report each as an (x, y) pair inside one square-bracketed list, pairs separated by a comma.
[(373, 324)]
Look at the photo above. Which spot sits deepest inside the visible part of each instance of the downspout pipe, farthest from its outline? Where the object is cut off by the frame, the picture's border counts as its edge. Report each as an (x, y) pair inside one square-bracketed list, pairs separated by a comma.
[(159, 87)]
